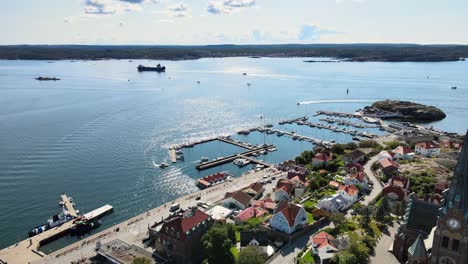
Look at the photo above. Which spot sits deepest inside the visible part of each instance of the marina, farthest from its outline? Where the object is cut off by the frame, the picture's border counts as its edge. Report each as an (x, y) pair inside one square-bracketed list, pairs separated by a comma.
[(224, 160), (337, 129), (346, 123)]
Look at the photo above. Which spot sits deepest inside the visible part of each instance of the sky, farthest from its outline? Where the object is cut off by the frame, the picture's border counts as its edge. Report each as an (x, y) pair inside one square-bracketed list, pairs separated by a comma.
[(200, 22)]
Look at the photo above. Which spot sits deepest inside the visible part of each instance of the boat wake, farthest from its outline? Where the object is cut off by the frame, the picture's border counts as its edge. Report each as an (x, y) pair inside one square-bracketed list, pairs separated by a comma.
[(337, 101)]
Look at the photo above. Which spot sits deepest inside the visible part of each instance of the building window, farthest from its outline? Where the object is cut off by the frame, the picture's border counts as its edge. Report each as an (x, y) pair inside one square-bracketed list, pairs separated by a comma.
[(445, 242), (455, 245)]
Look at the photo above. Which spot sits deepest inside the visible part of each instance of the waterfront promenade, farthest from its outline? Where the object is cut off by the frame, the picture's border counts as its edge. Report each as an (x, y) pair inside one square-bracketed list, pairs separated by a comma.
[(134, 230)]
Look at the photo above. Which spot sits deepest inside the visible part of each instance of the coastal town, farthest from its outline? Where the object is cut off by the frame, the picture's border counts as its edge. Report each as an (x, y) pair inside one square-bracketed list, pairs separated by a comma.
[(390, 198)]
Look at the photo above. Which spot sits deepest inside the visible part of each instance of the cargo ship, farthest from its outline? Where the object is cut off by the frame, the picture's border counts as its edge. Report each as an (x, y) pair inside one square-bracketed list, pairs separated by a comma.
[(158, 68)]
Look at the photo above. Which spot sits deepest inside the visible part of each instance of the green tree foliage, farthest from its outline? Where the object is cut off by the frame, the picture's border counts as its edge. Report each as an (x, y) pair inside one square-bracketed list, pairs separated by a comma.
[(305, 157), (351, 146), (393, 144), (357, 253), (338, 149), (338, 219), (251, 255), (141, 260), (368, 144), (217, 244), (381, 213), (231, 232)]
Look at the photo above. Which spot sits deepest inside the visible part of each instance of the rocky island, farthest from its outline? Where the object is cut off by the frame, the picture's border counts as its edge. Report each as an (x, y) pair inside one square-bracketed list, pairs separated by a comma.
[(410, 111)]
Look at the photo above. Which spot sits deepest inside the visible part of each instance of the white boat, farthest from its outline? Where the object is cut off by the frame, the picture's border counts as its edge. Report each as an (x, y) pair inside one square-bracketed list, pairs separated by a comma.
[(204, 159), (241, 162), (163, 165)]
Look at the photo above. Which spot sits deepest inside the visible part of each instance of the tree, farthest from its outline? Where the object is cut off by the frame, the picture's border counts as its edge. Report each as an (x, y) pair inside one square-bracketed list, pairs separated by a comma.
[(217, 245), (366, 217), (351, 146), (337, 219), (338, 149), (141, 260), (251, 255), (381, 213), (231, 232)]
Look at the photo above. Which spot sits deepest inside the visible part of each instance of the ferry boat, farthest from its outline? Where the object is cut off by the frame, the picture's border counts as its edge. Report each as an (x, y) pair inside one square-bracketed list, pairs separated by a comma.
[(54, 221), (158, 68)]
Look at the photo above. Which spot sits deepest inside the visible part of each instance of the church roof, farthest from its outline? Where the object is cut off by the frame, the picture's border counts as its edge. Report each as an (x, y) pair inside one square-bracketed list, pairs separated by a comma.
[(418, 249), (457, 196), (421, 215)]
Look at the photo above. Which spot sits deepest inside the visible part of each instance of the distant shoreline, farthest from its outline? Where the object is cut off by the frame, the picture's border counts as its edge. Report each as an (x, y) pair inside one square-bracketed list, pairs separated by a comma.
[(341, 52)]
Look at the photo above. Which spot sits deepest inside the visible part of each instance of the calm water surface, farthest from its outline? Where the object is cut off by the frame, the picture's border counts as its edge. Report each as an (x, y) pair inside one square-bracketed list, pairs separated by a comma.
[(98, 133)]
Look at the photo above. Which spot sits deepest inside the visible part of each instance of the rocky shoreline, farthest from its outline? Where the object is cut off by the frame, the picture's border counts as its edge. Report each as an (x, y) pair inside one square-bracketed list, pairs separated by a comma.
[(411, 111)]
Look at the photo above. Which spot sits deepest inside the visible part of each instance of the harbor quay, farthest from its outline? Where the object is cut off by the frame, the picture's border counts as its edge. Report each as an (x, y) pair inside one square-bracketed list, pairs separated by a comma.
[(135, 230)]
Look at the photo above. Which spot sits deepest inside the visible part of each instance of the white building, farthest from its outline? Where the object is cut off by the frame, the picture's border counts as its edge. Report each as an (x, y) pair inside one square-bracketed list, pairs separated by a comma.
[(427, 149), (289, 218), (333, 204)]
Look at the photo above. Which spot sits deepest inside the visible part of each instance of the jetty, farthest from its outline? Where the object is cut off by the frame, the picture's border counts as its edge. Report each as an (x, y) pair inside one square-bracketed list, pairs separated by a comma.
[(290, 121), (226, 139), (346, 123), (217, 162), (339, 114), (28, 250), (69, 205), (338, 130), (295, 136)]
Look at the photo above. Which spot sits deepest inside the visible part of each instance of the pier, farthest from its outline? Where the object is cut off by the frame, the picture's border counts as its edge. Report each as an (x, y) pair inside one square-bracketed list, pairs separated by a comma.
[(28, 250), (339, 114), (337, 129), (295, 136), (217, 162), (346, 123), (290, 121), (68, 205)]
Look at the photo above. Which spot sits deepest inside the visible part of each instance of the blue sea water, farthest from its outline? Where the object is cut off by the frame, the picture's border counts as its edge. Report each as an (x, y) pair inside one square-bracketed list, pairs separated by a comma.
[(98, 133)]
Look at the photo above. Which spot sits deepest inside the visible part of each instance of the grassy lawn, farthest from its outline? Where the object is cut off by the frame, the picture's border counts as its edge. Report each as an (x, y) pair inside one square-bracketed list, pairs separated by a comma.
[(235, 252), (310, 204), (308, 258), (237, 236), (310, 218)]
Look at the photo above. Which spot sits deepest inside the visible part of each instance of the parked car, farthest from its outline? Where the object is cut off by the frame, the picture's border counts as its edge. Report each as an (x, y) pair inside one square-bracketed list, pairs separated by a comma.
[(174, 207)]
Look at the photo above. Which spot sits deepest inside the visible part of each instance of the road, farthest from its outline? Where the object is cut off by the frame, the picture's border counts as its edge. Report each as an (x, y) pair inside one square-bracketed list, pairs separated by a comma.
[(378, 187), (382, 255)]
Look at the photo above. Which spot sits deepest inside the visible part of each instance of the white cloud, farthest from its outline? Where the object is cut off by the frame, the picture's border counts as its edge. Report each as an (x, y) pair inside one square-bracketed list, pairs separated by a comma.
[(109, 7), (228, 6), (178, 10)]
